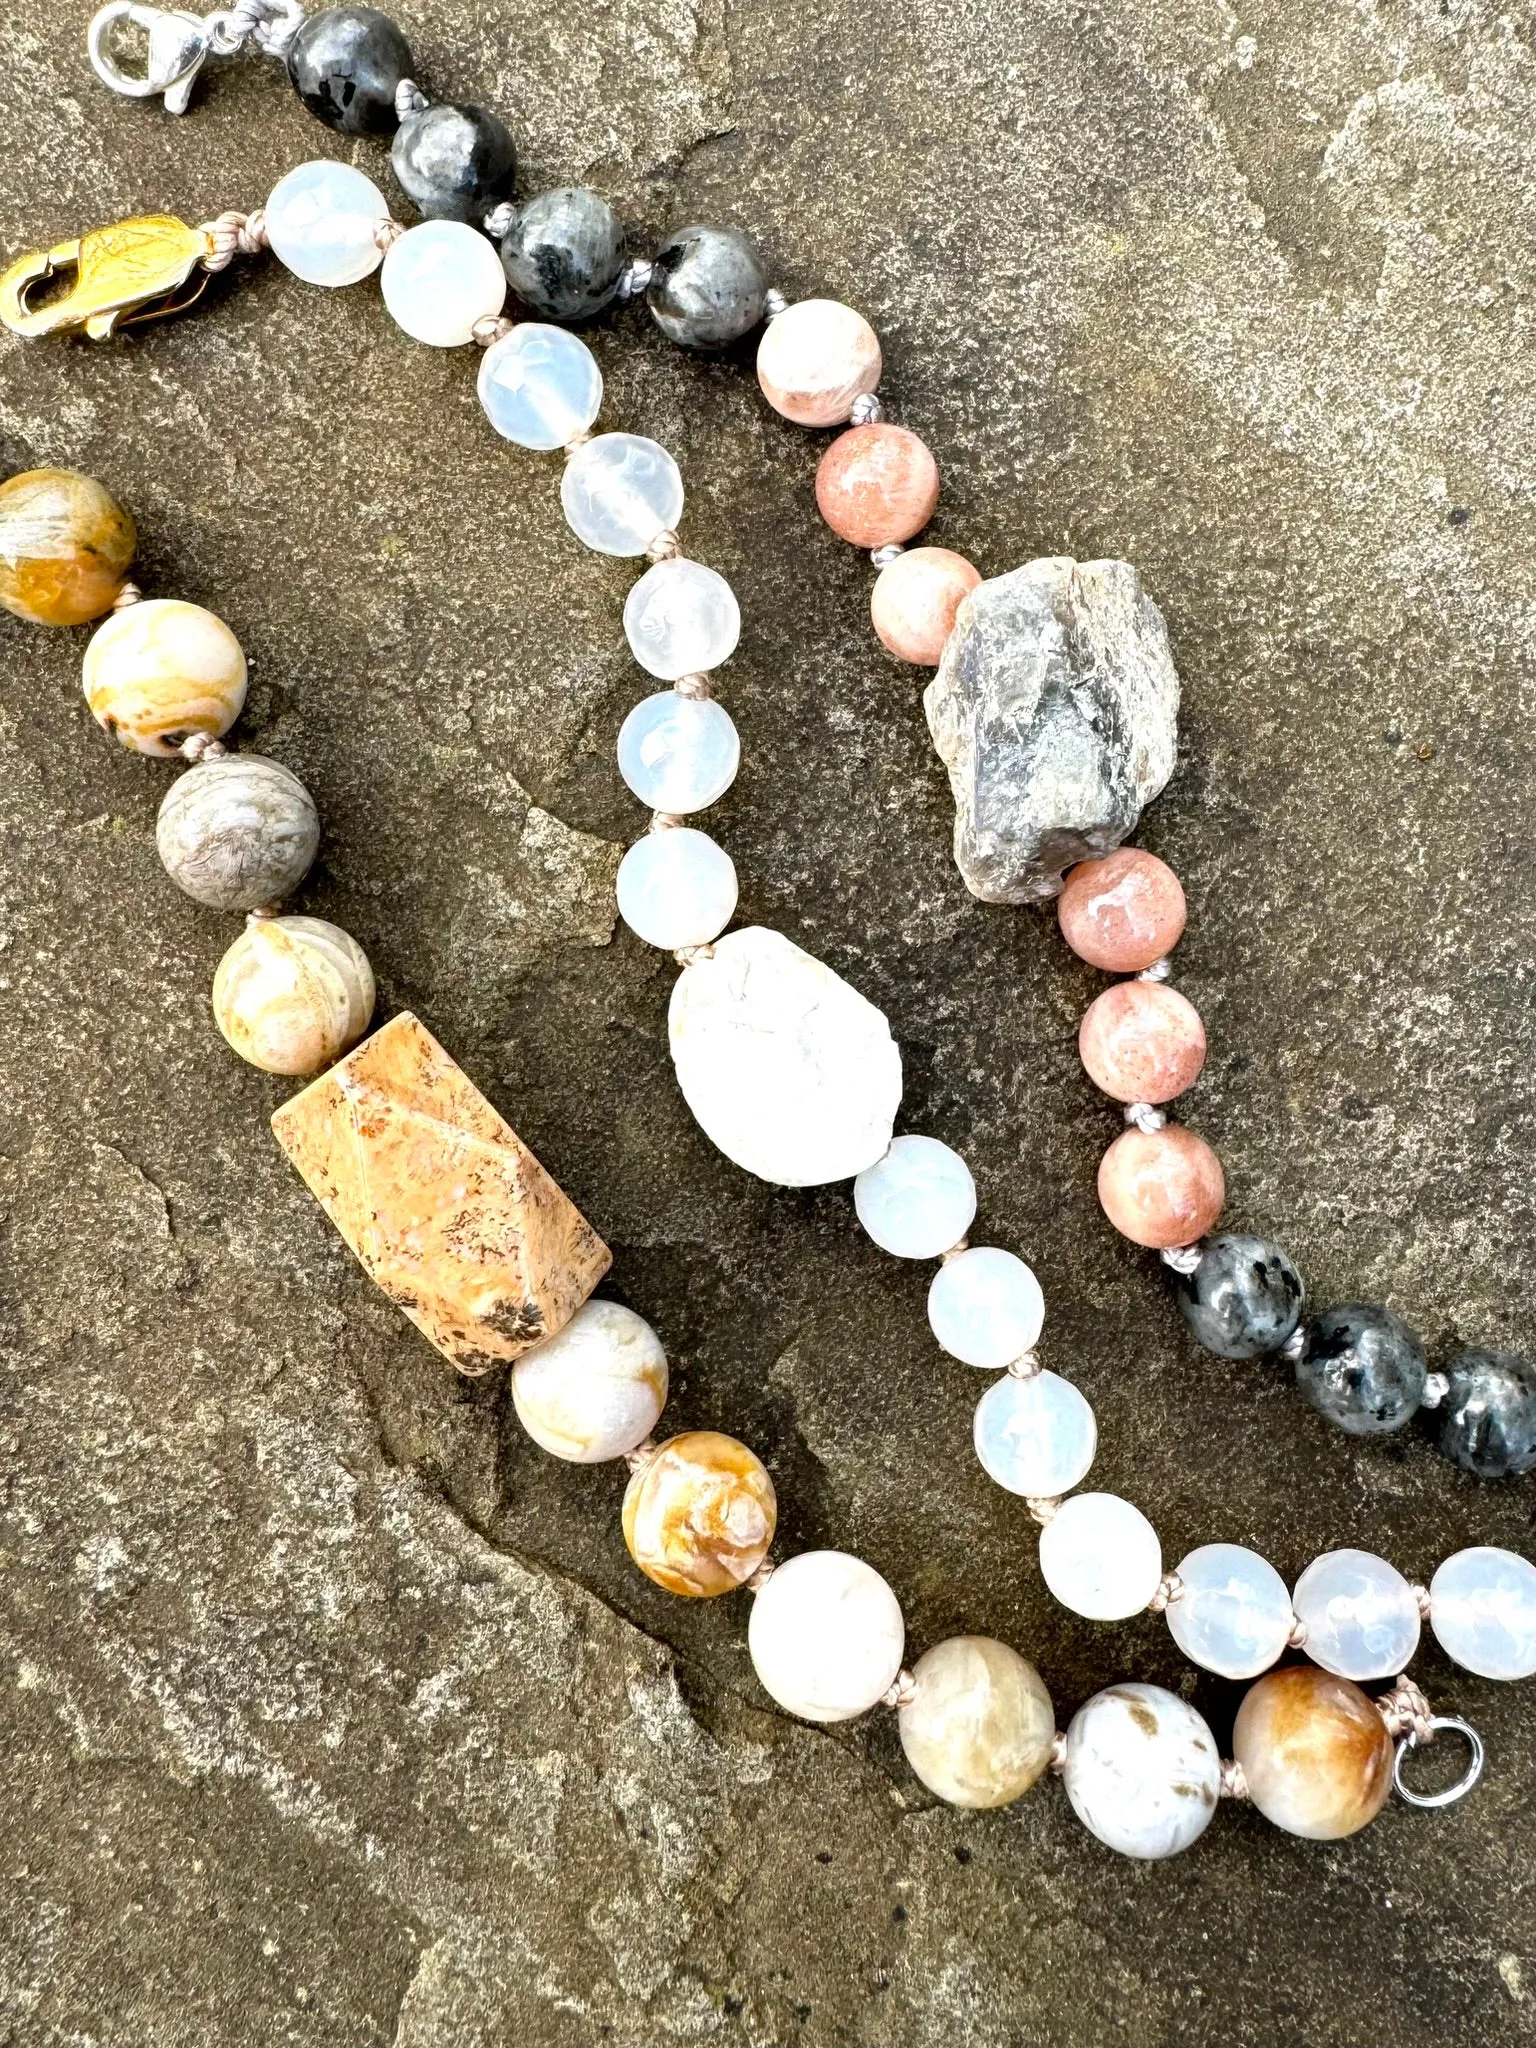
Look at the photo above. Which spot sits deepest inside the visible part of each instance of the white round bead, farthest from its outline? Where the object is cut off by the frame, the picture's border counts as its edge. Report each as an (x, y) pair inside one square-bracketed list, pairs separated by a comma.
[(322, 220), (1482, 1608), (826, 1636), (677, 888), (1361, 1617), (540, 386), (596, 1388), (679, 754), (681, 618), (816, 359), (1142, 1770), (986, 1307), (918, 1200), (619, 492), (1036, 1435), (1100, 1556), (1234, 1615), (439, 279)]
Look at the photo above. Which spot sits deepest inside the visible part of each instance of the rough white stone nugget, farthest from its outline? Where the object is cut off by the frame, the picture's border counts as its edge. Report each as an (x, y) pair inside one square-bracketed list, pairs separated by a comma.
[(789, 1070), (1142, 1771), (596, 1388), (826, 1636)]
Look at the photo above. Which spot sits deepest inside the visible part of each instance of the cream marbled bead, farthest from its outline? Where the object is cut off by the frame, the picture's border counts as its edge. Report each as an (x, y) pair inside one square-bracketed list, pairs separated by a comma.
[(699, 1515), (1142, 1770), (826, 1636), (979, 1726), (815, 360), (292, 993), (161, 671), (595, 1389), (237, 833)]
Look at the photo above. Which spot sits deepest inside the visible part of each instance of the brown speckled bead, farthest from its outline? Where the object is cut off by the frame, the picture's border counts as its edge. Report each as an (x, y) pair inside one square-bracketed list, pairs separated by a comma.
[(915, 599), (1315, 1752), (65, 547), (699, 1515), (1123, 912), (1161, 1188), (1141, 1042), (876, 485)]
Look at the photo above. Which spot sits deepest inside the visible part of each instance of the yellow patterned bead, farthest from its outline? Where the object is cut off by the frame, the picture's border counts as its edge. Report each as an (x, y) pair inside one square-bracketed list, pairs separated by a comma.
[(699, 1515), (65, 547), (292, 993), (161, 671)]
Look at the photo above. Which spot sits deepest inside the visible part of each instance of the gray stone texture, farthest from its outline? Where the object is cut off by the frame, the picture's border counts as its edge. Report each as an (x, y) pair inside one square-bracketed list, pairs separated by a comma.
[(333, 1712)]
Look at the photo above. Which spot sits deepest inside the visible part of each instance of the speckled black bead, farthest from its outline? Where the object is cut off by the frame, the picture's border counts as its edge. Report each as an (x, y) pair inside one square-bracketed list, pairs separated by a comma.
[(1487, 1422), (1243, 1299), (707, 288), (564, 254), (1363, 1368), (345, 65), (454, 163)]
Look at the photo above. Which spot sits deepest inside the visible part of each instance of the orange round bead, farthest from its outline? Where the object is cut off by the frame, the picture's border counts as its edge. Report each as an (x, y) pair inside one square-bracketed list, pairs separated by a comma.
[(877, 485), (1141, 1042), (1161, 1188), (699, 1514), (1123, 912), (915, 599), (65, 547)]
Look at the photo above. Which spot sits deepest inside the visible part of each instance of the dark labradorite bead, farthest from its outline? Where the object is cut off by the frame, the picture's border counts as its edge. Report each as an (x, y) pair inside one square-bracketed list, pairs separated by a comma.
[(454, 163), (1363, 1368), (707, 287), (1243, 1299), (345, 65), (1487, 1422), (564, 253)]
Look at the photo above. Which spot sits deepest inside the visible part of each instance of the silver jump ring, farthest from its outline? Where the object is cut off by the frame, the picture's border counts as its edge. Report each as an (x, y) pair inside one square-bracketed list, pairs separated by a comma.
[(1440, 1723)]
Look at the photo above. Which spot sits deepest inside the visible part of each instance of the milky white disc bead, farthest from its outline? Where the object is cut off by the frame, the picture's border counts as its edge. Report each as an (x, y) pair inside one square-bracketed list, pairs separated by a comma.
[(826, 1636), (162, 670), (815, 360), (1234, 1614), (595, 1389), (440, 278), (679, 754), (918, 1201), (322, 221), (619, 491), (985, 1307), (1142, 1771), (1360, 1614), (979, 1727), (1100, 1557), (540, 386), (1035, 1436), (677, 888), (681, 618), (292, 993), (1482, 1608)]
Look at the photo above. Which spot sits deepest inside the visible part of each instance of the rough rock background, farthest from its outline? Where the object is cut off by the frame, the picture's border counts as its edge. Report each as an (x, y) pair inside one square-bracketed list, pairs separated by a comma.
[(333, 1714)]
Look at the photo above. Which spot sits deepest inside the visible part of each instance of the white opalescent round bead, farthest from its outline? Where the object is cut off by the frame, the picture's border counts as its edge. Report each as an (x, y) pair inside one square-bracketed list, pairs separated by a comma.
[(826, 1636), (1360, 1614), (596, 1388), (1234, 1615), (681, 618), (321, 222), (1035, 1436), (1482, 1608), (986, 1307), (677, 888), (619, 492), (540, 386), (439, 279), (1142, 1770), (679, 754), (918, 1200), (1100, 1556)]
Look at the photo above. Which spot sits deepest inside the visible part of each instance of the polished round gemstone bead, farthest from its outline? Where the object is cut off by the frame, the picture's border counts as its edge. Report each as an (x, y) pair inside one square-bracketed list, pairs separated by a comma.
[(65, 547), (1243, 1299), (1035, 1436), (979, 1726), (707, 287), (237, 833), (595, 1389), (1100, 1556), (1141, 1042), (1314, 1751), (1161, 1188), (161, 671), (454, 163), (540, 386), (564, 253), (677, 888), (681, 618), (1123, 912), (826, 1636), (1482, 1608), (918, 1201), (1363, 1368), (1360, 1614), (322, 221), (678, 754), (985, 1307), (876, 485), (1487, 1422), (815, 360), (439, 279), (914, 601), (1142, 1771), (619, 492), (345, 64), (1233, 1615), (699, 1514), (292, 994)]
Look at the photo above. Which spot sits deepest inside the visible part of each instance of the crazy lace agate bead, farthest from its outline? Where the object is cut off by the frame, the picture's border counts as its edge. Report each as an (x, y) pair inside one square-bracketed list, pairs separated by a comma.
[(826, 1636), (322, 223), (979, 1726), (1314, 1751), (292, 994), (238, 833), (1363, 1368), (439, 280), (1487, 1422), (596, 1389), (1244, 1298), (540, 387), (564, 253), (699, 1514), (454, 163), (346, 64), (65, 547), (1142, 1771), (707, 287), (161, 671)]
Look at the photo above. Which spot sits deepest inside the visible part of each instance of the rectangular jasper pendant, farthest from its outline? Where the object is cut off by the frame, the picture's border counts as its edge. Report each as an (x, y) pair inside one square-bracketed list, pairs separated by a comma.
[(440, 1199)]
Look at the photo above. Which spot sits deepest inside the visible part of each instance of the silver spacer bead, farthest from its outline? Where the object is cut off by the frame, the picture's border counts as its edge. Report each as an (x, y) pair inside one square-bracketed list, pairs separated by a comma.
[(1436, 1386), (202, 746), (131, 594), (1043, 1506), (902, 1692), (695, 685), (1160, 970), (498, 222), (409, 99), (1182, 1258), (491, 328), (891, 552), (774, 303), (1026, 1366), (635, 277), (386, 233), (1233, 1784), (1294, 1349), (664, 548), (1145, 1116), (865, 410)]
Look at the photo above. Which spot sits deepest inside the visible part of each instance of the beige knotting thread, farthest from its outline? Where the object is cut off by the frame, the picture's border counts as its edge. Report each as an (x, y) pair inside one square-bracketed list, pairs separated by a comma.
[(1298, 1635), (689, 956), (664, 547), (129, 594), (202, 746), (1170, 1587), (641, 1455), (1405, 1710), (386, 233), (1026, 1366), (902, 1692), (1233, 1785), (955, 1250), (1043, 1506), (235, 234), (1058, 1758), (1421, 1595), (761, 1576), (490, 328), (695, 685), (666, 821), (577, 441)]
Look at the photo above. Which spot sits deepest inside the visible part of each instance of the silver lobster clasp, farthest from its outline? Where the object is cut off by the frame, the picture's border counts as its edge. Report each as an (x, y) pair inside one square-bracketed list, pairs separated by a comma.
[(178, 44)]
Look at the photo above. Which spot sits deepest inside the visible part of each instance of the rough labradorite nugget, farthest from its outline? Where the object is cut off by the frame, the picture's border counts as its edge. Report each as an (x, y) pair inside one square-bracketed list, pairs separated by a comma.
[(454, 163), (238, 833), (1243, 1299), (564, 253), (345, 64), (1487, 1422), (707, 287), (1055, 710), (1363, 1368)]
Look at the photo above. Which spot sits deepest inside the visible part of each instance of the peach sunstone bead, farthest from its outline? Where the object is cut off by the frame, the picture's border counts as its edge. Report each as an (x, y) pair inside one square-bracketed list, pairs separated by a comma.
[(1122, 912), (877, 484), (65, 547), (915, 599), (1315, 1752), (1142, 1042), (1161, 1188), (815, 360), (699, 1514)]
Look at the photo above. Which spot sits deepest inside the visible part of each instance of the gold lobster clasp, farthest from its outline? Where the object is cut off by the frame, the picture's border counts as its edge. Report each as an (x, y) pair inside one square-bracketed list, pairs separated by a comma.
[(135, 270)]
